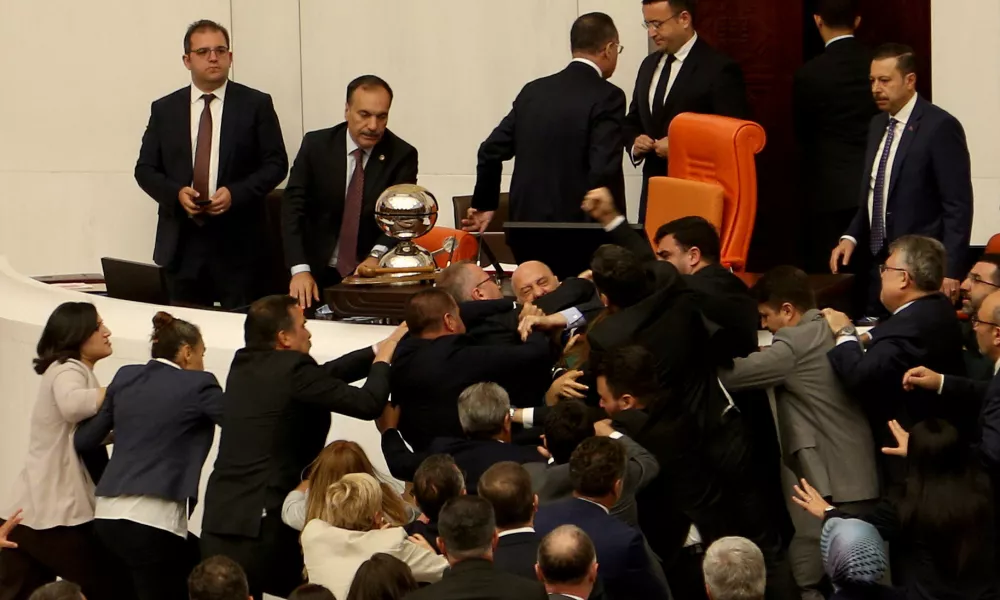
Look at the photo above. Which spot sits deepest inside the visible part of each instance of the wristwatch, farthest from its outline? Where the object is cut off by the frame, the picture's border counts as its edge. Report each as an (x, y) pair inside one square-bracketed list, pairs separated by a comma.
[(848, 329), (378, 251)]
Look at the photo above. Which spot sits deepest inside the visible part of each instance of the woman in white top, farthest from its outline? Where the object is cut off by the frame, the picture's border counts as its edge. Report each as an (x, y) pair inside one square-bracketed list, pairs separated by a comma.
[(55, 490), (351, 529)]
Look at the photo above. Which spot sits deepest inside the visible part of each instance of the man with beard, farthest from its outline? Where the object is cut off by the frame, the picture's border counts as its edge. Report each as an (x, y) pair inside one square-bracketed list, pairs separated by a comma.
[(983, 279)]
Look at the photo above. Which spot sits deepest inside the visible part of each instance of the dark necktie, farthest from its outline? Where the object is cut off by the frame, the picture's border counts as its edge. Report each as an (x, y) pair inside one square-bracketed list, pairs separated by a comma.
[(659, 97), (203, 151), (878, 195), (347, 244)]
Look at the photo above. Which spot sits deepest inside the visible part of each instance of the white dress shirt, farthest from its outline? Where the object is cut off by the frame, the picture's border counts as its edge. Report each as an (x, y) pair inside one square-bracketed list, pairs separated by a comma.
[(216, 108), (587, 61), (902, 117), (838, 38)]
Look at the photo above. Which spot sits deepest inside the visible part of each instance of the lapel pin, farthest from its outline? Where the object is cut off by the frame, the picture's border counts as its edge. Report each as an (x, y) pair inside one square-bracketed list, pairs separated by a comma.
[(381, 156)]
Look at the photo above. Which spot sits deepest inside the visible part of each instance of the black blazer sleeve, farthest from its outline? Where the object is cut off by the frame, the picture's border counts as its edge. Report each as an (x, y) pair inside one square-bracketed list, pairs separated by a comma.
[(351, 367), (953, 173), (574, 291), (401, 461), (989, 443), (624, 236), (91, 433), (606, 143), (497, 148), (273, 158), (964, 389), (293, 207), (729, 93), (149, 169), (313, 385)]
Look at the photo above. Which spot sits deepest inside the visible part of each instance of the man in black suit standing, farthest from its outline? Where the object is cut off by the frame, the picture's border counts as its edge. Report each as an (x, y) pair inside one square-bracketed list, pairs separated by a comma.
[(917, 178), (685, 74), (211, 152), (507, 486), (468, 540), (832, 107), (567, 563), (328, 212), (566, 132), (276, 417)]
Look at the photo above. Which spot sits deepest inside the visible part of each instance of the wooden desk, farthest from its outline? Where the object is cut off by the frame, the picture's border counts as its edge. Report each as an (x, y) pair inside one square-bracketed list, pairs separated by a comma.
[(370, 301)]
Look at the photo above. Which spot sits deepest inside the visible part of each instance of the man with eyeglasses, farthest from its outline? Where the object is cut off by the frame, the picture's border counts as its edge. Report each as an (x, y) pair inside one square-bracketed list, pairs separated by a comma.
[(685, 74), (566, 132), (211, 153), (923, 330), (983, 279)]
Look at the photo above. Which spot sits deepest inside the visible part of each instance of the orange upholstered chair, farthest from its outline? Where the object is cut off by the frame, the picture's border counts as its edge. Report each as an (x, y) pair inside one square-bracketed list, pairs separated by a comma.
[(466, 247), (993, 246), (671, 198), (721, 150)]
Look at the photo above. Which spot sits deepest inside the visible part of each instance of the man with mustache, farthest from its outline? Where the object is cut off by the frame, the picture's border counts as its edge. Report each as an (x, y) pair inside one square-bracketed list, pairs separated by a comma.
[(919, 181), (328, 212)]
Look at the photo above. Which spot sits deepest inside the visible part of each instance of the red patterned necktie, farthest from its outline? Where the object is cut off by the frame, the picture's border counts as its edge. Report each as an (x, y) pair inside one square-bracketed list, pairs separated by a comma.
[(347, 244)]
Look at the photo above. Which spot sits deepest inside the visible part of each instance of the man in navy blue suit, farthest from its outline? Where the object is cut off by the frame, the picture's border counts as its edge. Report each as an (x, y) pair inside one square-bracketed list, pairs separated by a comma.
[(627, 568), (919, 181)]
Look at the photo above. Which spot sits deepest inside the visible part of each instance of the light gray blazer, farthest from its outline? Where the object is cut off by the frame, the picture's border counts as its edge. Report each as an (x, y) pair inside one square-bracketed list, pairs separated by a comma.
[(825, 435)]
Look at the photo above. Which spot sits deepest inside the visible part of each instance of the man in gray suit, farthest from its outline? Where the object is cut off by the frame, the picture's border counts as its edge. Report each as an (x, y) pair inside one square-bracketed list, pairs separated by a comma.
[(824, 433), (567, 563)]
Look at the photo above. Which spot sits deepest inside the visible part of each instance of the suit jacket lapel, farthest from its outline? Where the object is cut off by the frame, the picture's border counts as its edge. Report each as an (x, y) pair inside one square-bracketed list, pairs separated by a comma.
[(687, 69), (909, 132), (227, 134)]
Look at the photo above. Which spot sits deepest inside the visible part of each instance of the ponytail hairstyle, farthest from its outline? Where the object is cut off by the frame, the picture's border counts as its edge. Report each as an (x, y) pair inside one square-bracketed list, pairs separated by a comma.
[(170, 335)]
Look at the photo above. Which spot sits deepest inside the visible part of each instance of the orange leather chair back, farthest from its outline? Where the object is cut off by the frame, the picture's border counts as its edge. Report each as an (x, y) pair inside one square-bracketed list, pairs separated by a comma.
[(993, 246), (721, 150), (466, 247), (671, 199)]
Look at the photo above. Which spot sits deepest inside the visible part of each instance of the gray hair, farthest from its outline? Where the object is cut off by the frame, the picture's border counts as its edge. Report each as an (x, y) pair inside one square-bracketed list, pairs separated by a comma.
[(923, 258), (456, 280), (482, 409), (734, 570)]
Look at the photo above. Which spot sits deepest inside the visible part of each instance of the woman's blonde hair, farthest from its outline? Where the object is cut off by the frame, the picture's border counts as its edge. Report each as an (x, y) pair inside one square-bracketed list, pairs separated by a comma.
[(353, 502), (339, 459)]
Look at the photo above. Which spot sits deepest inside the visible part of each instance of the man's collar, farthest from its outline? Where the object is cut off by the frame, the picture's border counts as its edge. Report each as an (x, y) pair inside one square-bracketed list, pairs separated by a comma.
[(604, 508), (903, 307), (838, 38), (996, 366), (352, 145), (515, 531), (220, 92), (903, 116), (168, 362), (682, 54), (592, 64)]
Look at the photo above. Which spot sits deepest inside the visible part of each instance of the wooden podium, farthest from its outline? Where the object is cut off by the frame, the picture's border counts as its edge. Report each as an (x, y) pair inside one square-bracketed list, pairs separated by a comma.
[(387, 302)]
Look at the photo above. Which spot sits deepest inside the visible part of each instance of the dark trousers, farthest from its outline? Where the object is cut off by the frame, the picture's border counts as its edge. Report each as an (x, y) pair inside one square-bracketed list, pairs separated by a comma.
[(205, 271), (272, 560), (685, 575), (159, 562), (71, 553)]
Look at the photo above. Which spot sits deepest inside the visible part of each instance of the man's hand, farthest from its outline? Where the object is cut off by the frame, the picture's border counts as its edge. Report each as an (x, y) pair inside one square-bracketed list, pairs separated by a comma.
[(841, 255), (836, 320), (921, 377), (600, 205), (662, 147), (419, 540), (950, 288), (547, 323), (588, 275), (477, 220), (370, 262), (810, 499), (530, 310), (6, 528), (643, 145), (387, 347), (389, 419), (222, 200), (565, 386), (186, 197), (304, 289), (603, 428), (902, 440)]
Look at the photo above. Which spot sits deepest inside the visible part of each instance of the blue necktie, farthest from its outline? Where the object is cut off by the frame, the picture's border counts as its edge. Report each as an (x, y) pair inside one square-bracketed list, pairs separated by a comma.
[(878, 200)]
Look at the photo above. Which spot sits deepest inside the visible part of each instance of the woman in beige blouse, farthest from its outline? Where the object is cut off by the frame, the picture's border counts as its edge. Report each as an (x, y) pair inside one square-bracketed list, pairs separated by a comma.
[(54, 489)]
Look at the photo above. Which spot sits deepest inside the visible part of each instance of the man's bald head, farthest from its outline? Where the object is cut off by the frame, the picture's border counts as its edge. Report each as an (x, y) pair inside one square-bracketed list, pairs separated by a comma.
[(466, 281), (532, 280), (566, 556)]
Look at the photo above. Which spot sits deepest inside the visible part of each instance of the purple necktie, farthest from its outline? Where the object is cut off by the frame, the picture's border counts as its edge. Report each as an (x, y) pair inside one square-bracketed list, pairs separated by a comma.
[(347, 246), (877, 238)]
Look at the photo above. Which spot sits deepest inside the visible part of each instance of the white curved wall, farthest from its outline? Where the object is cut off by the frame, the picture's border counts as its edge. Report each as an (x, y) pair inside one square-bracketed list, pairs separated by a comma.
[(25, 306)]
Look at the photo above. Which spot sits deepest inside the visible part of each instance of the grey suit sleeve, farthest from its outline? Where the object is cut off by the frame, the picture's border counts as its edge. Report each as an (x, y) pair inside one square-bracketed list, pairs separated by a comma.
[(642, 466), (760, 370)]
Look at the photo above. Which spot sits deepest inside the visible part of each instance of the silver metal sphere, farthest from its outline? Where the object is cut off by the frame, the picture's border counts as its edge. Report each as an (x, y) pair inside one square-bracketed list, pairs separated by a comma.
[(406, 211)]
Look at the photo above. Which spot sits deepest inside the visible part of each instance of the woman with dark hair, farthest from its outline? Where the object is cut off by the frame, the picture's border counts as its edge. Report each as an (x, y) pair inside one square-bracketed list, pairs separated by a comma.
[(55, 491), (941, 530), (311, 591), (163, 414), (382, 577)]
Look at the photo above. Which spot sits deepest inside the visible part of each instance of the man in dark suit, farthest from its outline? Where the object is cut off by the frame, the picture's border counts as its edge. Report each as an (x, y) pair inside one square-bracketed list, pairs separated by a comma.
[(923, 330), (567, 564), (438, 360), (832, 107), (276, 417), (328, 211), (917, 178), (468, 540), (507, 486), (437, 480), (484, 413), (628, 569), (211, 152), (685, 74), (566, 132)]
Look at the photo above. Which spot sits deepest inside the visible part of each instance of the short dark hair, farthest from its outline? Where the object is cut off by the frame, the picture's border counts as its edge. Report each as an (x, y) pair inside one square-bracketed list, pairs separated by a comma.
[(171, 334), (312, 591), (838, 14), (693, 232), (619, 275), (366, 82), (993, 259), (595, 466), (425, 310), (435, 482), (565, 555), (69, 326), (218, 578), (467, 525), (785, 284), (203, 25), (57, 590), (567, 424), (906, 58), (923, 258), (678, 6), (592, 32), (630, 370), (507, 486), (381, 577), (265, 319)]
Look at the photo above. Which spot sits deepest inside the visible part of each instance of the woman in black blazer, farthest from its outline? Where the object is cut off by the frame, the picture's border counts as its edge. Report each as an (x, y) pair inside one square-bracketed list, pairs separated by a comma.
[(163, 415)]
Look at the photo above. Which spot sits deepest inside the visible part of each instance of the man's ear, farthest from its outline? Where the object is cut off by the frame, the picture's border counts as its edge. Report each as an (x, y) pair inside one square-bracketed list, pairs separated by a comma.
[(592, 572), (629, 401), (496, 539), (534, 504), (347, 109), (538, 573), (695, 255), (604, 299), (441, 546), (818, 20), (284, 340)]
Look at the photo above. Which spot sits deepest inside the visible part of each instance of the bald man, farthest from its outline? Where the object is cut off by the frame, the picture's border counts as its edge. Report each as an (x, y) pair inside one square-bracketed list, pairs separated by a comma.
[(567, 563), (533, 279)]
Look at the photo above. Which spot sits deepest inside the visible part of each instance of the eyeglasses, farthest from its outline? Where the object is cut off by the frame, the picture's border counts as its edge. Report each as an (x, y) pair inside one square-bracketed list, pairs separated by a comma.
[(975, 278), (492, 278), (219, 51), (657, 24), (975, 320), (882, 268), (618, 46)]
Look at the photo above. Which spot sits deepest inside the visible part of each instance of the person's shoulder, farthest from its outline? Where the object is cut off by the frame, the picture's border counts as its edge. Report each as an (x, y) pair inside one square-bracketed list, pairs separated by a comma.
[(71, 365), (710, 55), (325, 133), (173, 97), (245, 91), (397, 144)]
